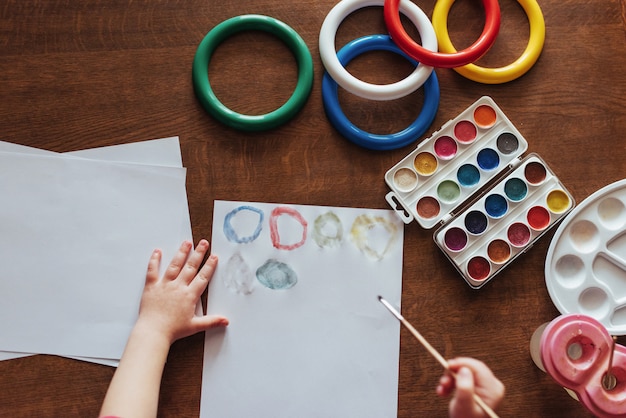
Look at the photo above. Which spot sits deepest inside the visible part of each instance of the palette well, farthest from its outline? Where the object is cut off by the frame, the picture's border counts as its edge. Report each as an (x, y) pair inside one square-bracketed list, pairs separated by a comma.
[(469, 178), (454, 163), (586, 262)]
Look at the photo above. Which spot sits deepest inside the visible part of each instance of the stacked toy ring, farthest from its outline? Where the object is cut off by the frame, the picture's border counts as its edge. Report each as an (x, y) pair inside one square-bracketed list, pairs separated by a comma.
[(494, 75), (368, 140), (337, 76), (438, 59), (217, 109), (360, 88)]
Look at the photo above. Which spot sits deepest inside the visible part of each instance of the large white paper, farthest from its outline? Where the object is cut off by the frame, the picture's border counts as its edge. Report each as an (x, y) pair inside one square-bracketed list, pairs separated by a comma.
[(319, 343), (76, 236), (164, 151)]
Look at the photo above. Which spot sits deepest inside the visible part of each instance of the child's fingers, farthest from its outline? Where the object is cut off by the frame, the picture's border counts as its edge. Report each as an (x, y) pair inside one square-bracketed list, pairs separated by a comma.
[(446, 385), (178, 261), (203, 323), (152, 275), (464, 394), (479, 369), (202, 279), (192, 265)]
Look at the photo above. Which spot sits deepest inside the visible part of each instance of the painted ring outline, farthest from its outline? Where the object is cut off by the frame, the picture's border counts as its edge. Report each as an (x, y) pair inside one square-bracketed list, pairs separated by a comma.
[(362, 225), (323, 220), (274, 234), (360, 88), (358, 136), (441, 59), (228, 228), (495, 75), (216, 108)]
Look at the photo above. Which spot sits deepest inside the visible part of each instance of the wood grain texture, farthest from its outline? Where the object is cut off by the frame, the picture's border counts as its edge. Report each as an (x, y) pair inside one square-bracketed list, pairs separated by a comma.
[(77, 75)]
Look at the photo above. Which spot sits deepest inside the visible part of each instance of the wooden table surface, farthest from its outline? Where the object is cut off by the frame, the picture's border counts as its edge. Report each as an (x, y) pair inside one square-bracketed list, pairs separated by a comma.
[(92, 73)]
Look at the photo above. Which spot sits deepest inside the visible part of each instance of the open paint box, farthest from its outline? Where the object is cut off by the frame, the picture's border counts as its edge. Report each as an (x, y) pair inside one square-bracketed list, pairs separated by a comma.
[(470, 180), (586, 261)]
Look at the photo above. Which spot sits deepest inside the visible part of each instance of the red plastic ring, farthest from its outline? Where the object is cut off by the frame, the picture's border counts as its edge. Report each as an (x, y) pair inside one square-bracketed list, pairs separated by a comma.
[(438, 59)]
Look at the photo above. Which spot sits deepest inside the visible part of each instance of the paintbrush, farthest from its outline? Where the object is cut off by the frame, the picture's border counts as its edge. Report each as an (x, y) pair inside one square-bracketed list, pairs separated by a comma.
[(434, 353), (610, 381)]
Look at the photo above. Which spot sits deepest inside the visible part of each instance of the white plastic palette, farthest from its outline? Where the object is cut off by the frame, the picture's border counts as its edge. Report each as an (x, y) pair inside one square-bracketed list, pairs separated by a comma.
[(586, 261), (505, 221), (454, 163)]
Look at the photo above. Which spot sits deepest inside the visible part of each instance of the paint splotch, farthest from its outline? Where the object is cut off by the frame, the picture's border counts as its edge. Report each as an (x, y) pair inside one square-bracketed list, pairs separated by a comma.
[(246, 222), (237, 275), (276, 275), (328, 230), (373, 235), (274, 233)]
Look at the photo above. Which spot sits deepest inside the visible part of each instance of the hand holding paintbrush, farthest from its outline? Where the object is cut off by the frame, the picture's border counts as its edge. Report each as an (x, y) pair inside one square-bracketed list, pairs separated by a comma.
[(472, 378)]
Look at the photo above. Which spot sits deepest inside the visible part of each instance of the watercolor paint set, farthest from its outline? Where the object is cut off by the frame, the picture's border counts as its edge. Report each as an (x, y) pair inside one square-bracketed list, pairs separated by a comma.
[(471, 180), (586, 261)]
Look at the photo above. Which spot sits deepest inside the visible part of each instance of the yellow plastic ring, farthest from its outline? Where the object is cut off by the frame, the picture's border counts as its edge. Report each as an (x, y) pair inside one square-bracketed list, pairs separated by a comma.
[(494, 75)]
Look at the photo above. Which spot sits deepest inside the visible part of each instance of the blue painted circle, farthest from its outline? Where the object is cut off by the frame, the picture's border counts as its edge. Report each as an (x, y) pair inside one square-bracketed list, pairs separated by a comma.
[(347, 129), (230, 232)]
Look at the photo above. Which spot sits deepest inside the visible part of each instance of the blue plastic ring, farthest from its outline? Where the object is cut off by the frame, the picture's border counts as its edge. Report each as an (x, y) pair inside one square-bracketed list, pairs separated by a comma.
[(358, 136)]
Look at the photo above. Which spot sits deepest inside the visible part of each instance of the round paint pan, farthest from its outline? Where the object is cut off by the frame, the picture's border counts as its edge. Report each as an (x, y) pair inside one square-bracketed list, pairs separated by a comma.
[(535, 172), (485, 116), (499, 251), (478, 268), (586, 261), (465, 131), (445, 147), (425, 163), (405, 179)]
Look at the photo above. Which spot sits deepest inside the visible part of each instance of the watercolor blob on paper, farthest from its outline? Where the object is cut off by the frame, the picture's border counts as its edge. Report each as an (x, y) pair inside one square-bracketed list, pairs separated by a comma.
[(237, 275), (276, 275)]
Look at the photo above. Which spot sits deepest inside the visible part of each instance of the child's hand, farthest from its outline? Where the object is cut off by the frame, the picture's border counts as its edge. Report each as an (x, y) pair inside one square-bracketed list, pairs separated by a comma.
[(472, 376), (167, 312), (168, 305)]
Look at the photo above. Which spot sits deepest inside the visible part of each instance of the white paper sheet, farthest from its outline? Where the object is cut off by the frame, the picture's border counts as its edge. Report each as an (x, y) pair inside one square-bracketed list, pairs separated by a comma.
[(163, 151), (78, 234), (319, 344)]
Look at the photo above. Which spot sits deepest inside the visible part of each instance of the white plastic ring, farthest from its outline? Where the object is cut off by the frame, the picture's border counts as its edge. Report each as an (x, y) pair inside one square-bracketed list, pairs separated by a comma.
[(343, 78)]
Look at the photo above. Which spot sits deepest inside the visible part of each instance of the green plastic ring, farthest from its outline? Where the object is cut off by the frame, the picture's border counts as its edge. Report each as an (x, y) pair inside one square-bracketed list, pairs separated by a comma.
[(212, 104)]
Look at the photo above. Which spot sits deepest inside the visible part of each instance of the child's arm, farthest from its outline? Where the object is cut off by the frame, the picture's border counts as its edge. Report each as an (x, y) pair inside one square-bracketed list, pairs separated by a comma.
[(472, 376), (166, 314)]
